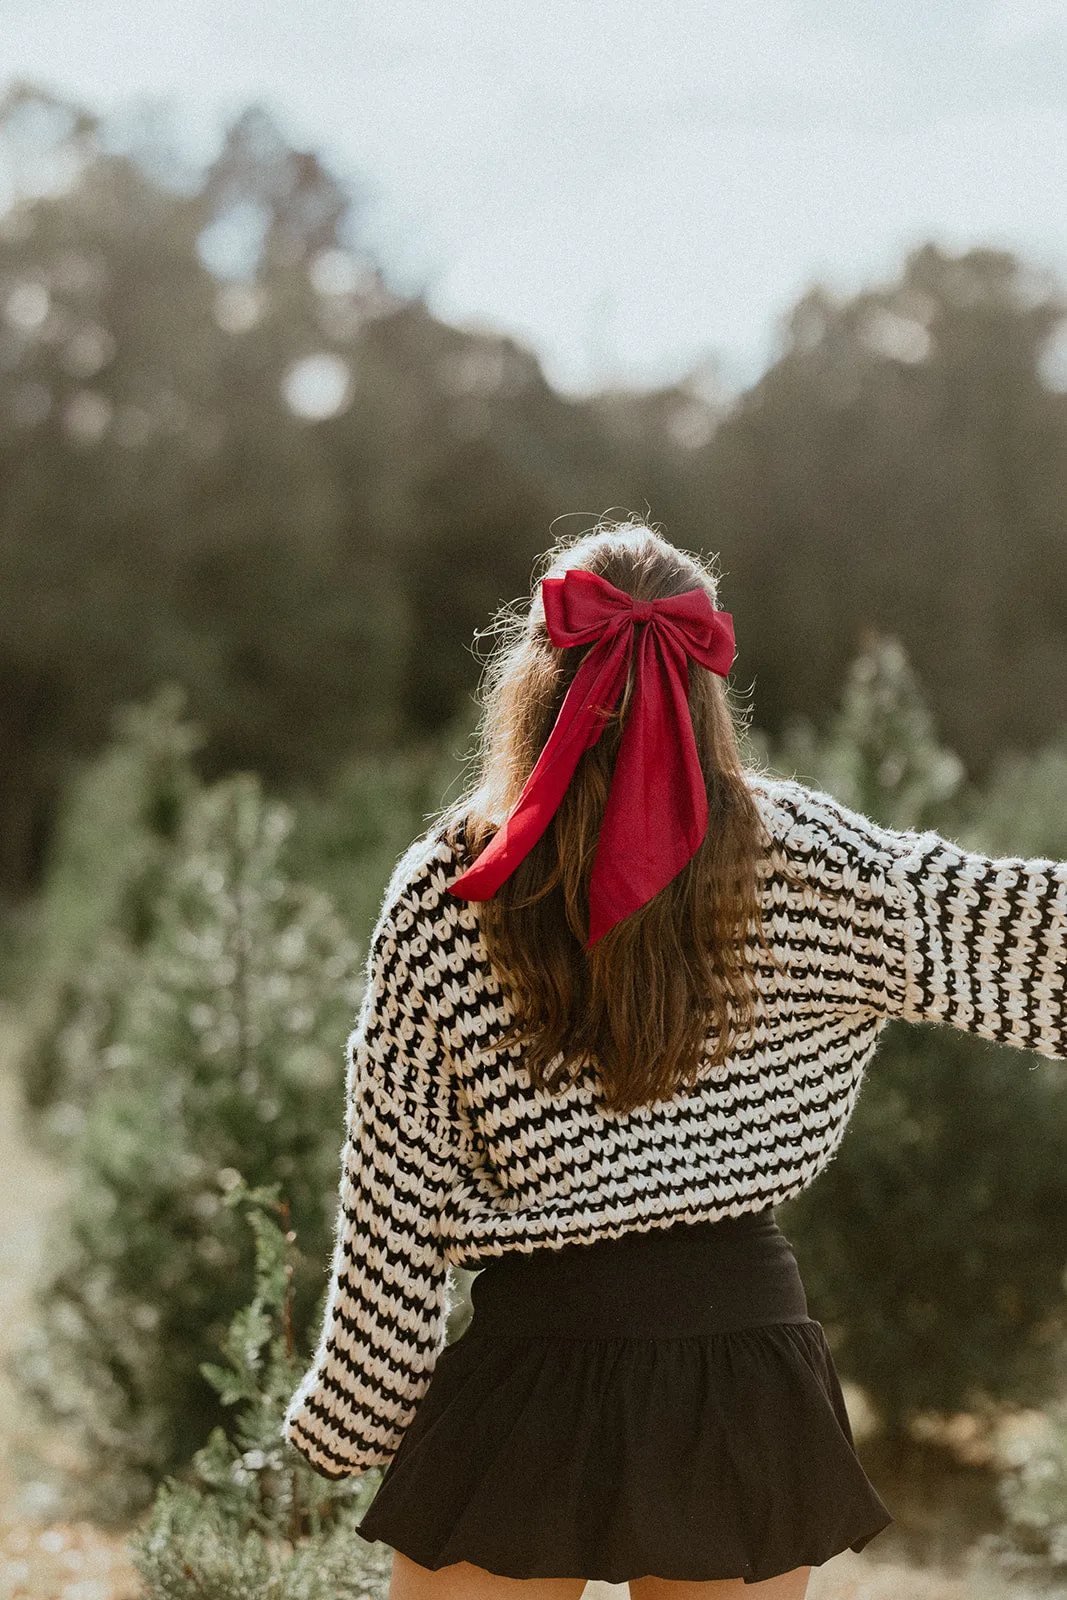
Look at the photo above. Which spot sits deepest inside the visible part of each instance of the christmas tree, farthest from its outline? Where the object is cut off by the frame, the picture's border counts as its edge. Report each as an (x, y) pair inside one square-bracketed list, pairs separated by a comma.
[(250, 1520), (227, 1055), (881, 753), (109, 859)]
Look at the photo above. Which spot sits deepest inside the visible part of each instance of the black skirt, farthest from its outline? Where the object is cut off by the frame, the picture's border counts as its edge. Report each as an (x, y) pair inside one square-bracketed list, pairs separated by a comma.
[(655, 1405)]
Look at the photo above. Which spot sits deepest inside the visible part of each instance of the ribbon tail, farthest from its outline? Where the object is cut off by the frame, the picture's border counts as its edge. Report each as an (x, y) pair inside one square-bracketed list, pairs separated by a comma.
[(594, 690), (657, 808)]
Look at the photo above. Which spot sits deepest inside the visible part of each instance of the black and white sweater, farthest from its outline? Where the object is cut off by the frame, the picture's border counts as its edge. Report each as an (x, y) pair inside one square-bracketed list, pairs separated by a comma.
[(451, 1157)]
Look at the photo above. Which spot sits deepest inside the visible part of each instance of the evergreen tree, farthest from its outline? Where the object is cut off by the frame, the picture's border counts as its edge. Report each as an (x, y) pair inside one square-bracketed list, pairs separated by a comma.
[(109, 859), (881, 753), (249, 1519), (228, 1056)]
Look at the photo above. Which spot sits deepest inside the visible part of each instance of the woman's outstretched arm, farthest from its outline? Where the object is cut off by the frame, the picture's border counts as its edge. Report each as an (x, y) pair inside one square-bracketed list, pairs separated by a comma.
[(913, 925), (979, 942)]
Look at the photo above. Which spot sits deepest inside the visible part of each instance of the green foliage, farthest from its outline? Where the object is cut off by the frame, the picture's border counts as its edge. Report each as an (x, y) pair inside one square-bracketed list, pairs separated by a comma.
[(228, 1055), (193, 1553), (349, 834), (165, 515), (925, 1244), (901, 463), (99, 904), (249, 1519), (1020, 810), (881, 753)]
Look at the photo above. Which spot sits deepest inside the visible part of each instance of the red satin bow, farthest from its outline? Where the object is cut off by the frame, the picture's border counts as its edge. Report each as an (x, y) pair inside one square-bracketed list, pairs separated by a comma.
[(657, 808)]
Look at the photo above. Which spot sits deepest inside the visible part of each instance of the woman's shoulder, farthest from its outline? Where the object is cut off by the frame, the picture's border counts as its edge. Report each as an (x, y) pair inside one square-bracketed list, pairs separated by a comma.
[(426, 866), (810, 823), (795, 814)]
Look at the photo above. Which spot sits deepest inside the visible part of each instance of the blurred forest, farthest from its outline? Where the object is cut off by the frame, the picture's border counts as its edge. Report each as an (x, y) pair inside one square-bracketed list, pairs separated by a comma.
[(232, 457)]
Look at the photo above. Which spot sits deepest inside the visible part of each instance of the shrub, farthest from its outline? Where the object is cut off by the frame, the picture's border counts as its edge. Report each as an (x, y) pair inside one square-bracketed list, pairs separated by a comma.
[(250, 1520)]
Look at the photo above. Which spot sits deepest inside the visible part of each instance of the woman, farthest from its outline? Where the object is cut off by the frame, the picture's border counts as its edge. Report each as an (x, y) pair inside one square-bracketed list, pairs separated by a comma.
[(620, 999)]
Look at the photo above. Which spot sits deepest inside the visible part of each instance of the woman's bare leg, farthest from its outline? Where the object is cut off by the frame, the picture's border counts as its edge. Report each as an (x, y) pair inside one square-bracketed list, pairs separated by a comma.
[(462, 1581), (787, 1586)]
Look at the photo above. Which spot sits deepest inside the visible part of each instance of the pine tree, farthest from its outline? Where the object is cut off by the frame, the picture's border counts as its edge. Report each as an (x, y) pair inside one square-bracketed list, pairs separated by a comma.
[(108, 861), (881, 752), (228, 1056), (250, 1520)]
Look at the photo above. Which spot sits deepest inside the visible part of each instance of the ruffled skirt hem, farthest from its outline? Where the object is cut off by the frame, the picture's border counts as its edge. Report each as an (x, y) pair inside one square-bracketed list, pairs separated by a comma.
[(702, 1456)]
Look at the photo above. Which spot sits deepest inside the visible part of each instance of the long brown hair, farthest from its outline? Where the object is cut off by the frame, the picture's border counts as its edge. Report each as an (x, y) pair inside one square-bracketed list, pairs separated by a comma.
[(667, 990)]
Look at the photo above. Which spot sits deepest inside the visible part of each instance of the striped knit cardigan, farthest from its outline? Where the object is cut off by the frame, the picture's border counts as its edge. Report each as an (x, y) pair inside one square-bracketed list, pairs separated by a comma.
[(452, 1158)]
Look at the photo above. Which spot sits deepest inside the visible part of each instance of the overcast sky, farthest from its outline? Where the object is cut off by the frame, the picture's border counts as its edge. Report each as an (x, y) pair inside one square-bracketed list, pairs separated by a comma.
[(628, 187)]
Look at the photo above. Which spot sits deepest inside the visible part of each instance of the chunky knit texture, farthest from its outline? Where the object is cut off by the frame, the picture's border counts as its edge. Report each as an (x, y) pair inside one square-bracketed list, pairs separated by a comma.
[(451, 1157)]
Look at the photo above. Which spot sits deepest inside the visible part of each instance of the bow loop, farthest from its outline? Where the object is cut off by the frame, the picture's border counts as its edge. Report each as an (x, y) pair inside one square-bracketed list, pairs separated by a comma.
[(657, 808)]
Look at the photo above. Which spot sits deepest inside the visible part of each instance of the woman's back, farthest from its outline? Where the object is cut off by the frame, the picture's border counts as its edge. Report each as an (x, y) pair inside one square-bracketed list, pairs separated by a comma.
[(869, 923)]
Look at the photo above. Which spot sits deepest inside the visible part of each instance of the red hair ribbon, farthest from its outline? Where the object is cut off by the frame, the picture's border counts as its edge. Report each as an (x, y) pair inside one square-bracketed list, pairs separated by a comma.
[(657, 808)]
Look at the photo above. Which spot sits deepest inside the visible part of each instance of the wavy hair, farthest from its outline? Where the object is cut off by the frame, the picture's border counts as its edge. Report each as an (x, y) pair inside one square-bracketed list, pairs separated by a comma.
[(666, 992)]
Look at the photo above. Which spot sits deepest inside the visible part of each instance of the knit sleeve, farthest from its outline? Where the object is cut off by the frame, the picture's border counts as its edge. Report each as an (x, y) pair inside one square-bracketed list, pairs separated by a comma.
[(978, 941), (385, 1315), (915, 926)]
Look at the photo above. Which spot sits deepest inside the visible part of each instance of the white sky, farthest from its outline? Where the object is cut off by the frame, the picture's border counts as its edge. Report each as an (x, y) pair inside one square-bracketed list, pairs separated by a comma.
[(629, 187)]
